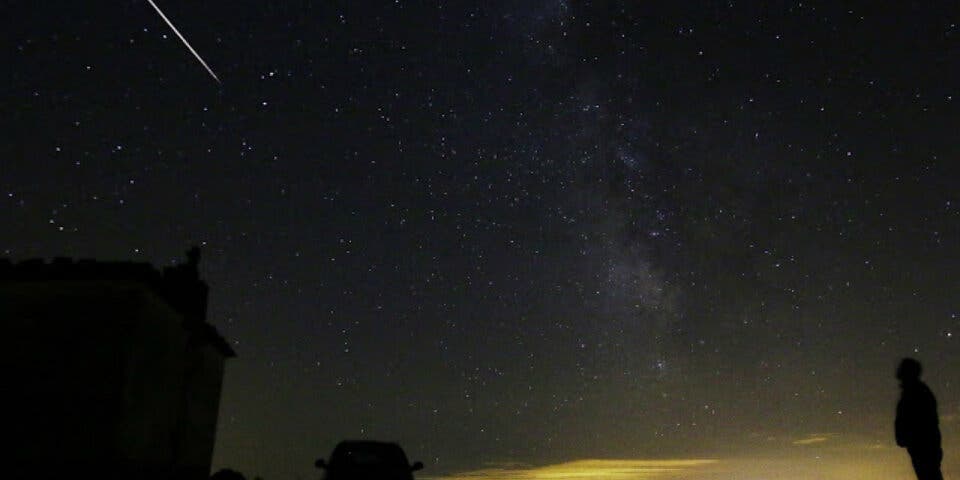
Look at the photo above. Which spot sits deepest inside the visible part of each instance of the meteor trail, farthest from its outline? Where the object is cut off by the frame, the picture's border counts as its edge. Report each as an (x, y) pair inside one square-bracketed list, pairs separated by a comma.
[(184, 40)]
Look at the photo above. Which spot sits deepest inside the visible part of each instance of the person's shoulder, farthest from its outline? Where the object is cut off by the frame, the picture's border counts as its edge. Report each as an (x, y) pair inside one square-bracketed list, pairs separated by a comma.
[(923, 391)]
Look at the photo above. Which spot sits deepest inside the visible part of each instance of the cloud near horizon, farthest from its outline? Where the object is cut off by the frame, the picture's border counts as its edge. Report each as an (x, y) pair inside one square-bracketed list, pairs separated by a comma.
[(586, 470), (841, 461), (814, 438)]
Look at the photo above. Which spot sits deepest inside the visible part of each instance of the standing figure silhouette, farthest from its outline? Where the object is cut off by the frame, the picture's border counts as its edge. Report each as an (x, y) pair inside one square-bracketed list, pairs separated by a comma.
[(917, 425)]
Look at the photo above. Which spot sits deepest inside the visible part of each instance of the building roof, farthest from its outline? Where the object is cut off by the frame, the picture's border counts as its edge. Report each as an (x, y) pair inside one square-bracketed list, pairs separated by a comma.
[(179, 286)]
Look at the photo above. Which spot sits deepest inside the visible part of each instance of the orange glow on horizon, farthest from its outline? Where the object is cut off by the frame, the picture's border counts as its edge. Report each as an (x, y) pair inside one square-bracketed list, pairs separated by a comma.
[(591, 469), (862, 461)]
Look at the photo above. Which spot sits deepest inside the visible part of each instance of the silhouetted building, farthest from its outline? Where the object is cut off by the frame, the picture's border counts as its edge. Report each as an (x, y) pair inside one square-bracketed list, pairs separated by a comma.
[(115, 372)]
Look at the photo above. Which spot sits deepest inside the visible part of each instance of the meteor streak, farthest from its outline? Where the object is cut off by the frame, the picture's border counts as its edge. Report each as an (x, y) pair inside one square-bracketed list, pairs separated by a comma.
[(184, 40)]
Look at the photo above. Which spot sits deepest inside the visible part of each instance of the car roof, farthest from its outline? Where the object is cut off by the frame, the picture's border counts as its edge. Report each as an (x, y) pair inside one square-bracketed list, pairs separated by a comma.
[(386, 451)]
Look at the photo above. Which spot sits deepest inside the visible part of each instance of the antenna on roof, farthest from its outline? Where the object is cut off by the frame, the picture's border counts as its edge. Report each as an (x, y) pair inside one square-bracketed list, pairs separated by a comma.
[(193, 256)]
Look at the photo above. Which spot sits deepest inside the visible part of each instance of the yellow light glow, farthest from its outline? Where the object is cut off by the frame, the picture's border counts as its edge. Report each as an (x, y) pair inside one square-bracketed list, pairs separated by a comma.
[(809, 462), (593, 469)]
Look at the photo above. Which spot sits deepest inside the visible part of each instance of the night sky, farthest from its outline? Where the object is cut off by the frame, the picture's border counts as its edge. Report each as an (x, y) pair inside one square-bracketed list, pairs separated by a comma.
[(524, 237)]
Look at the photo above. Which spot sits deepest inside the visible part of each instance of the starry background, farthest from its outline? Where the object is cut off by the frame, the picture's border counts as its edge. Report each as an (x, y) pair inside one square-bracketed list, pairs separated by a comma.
[(518, 232)]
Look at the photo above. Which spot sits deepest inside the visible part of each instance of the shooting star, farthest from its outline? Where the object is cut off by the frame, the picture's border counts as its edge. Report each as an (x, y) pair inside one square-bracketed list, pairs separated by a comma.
[(184, 40)]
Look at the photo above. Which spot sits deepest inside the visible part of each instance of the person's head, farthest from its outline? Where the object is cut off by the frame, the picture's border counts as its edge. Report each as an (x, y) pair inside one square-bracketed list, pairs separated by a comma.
[(909, 370)]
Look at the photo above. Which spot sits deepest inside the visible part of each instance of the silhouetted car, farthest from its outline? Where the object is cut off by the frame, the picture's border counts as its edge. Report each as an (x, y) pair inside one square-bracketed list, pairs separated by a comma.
[(368, 460)]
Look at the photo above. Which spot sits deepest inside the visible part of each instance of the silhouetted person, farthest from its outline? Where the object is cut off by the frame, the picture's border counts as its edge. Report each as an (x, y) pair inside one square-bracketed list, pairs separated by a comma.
[(917, 424)]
